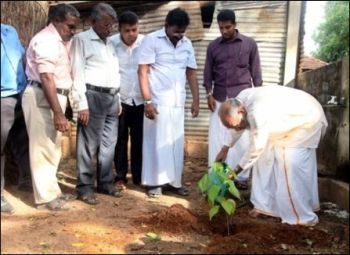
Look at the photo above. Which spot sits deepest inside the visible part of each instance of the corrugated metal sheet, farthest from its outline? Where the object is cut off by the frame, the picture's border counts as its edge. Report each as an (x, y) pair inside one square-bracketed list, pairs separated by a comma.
[(266, 22)]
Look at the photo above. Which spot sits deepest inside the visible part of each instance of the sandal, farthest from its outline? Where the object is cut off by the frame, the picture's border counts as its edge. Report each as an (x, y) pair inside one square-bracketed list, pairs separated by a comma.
[(67, 196), (242, 185), (178, 191), (155, 192), (256, 215), (120, 185), (57, 204), (90, 199)]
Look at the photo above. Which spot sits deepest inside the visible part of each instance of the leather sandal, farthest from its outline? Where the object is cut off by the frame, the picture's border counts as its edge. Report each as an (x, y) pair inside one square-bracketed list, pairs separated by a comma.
[(68, 196), (178, 191), (90, 199), (242, 185), (111, 192), (57, 204)]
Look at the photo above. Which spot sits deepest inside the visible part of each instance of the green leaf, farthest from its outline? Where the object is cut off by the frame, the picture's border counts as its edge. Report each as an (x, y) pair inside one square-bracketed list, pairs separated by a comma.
[(213, 193), (213, 211), (218, 167), (231, 175), (229, 206), (203, 183), (233, 190)]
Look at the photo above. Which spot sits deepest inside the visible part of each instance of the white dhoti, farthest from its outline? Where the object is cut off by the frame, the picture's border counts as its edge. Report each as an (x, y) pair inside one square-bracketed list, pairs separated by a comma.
[(163, 147), (285, 184), (216, 140)]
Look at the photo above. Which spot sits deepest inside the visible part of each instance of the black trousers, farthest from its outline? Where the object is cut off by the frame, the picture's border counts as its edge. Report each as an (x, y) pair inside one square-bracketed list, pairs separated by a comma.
[(130, 122)]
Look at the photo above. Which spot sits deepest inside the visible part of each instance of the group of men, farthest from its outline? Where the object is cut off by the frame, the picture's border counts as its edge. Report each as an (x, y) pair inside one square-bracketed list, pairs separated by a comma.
[(133, 85)]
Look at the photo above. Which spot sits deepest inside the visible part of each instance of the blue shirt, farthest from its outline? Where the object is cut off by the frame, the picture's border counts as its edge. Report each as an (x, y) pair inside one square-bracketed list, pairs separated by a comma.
[(13, 80)]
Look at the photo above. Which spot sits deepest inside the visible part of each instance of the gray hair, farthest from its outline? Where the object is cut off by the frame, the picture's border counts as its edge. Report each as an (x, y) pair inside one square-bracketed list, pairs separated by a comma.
[(235, 104), (59, 12), (102, 9)]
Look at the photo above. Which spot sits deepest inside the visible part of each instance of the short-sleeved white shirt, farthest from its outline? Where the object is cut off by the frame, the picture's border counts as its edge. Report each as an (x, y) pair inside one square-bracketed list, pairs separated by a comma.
[(128, 57), (167, 77)]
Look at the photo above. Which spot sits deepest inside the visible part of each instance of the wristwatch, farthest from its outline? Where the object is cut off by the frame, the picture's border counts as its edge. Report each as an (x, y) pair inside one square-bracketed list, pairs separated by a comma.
[(147, 102)]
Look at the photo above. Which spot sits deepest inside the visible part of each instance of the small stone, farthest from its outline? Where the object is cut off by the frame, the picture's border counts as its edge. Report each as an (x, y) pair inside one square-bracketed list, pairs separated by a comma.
[(284, 246)]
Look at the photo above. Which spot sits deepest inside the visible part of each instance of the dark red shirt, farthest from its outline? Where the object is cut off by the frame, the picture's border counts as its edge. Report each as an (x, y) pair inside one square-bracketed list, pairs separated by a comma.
[(232, 66)]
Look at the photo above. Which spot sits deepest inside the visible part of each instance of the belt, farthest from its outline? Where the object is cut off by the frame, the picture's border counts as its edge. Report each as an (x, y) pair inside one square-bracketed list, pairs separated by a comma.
[(63, 92), (112, 91)]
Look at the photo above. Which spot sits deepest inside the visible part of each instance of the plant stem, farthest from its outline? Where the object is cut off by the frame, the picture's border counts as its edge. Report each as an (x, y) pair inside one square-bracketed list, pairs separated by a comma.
[(228, 224)]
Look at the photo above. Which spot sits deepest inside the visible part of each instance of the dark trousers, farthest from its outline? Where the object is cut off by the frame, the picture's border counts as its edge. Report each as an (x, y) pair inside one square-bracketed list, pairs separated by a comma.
[(130, 122), (14, 139), (99, 138)]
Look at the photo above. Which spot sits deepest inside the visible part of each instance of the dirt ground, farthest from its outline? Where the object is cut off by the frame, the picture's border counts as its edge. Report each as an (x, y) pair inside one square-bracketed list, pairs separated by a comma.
[(121, 225)]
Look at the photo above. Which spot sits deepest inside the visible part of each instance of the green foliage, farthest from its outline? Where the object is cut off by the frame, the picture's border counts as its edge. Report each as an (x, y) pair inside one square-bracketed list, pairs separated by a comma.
[(220, 189), (332, 35)]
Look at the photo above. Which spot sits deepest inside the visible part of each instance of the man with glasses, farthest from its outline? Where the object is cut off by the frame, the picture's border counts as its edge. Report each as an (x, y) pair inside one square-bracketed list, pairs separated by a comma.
[(44, 102), (96, 82), (166, 60)]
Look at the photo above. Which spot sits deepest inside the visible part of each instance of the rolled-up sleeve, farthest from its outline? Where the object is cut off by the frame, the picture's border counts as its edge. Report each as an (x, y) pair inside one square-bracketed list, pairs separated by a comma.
[(78, 72), (147, 51), (46, 56)]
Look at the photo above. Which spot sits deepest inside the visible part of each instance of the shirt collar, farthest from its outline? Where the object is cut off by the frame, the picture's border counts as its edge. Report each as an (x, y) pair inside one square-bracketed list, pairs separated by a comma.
[(161, 33), (93, 35), (238, 37), (119, 42), (52, 29)]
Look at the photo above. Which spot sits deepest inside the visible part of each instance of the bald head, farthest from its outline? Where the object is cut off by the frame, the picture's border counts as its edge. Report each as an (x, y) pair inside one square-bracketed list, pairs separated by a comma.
[(233, 114)]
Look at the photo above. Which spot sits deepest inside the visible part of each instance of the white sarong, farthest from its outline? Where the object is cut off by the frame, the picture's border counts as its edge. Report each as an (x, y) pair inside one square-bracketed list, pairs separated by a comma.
[(216, 140), (292, 174), (163, 147)]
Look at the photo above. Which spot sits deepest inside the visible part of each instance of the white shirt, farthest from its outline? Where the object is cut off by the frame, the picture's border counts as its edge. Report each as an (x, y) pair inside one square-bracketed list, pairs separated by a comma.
[(93, 62), (281, 116), (128, 65), (167, 76)]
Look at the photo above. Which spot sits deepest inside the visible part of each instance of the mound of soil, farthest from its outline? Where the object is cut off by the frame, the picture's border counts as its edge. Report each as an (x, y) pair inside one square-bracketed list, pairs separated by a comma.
[(176, 219), (270, 236)]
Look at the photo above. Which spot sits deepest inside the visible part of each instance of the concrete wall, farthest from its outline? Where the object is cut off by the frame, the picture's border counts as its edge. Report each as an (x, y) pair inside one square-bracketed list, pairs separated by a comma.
[(330, 85)]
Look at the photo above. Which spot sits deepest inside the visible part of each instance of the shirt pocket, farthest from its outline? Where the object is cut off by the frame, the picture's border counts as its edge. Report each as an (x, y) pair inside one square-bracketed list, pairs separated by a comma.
[(182, 58), (243, 59)]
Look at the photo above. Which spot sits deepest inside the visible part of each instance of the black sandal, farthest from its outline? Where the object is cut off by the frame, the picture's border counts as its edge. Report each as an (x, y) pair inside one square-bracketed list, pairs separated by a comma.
[(241, 185), (178, 191)]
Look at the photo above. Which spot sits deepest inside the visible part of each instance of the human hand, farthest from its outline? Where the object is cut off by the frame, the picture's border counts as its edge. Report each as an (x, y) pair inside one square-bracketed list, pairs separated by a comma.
[(211, 103), (195, 109), (150, 111), (60, 122), (222, 155), (83, 117)]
